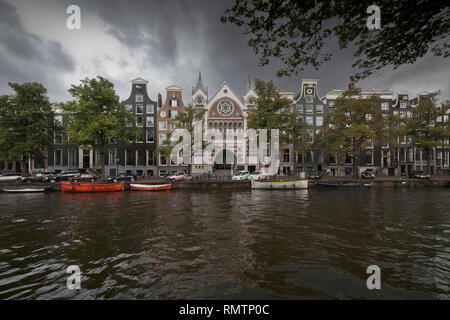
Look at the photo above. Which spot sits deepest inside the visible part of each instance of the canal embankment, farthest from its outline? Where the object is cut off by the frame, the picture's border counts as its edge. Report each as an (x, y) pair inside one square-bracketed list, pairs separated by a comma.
[(207, 184)]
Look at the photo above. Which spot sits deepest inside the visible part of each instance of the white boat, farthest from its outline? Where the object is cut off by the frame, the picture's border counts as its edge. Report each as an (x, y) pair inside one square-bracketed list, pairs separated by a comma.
[(26, 189), (280, 185), (146, 187)]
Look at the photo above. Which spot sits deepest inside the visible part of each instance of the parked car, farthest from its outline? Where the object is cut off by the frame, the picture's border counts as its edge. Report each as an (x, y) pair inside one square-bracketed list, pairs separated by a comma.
[(10, 177), (64, 175), (314, 175), (123, 177), (419, 175), (170, 173), (83, 178), (258, 175), (179, 176), (368, 174), (37, 177), (241, 175)]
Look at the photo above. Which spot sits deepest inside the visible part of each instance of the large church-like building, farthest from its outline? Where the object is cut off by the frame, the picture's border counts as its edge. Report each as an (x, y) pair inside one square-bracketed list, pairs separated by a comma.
[(226, 112)]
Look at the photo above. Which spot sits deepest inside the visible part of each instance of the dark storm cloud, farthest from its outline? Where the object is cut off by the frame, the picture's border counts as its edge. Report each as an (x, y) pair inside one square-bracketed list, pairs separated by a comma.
[(25, 56), (23, 45), (179, 38)]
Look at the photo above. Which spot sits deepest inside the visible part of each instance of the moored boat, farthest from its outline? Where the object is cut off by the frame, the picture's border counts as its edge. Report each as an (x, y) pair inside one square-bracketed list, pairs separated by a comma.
[(68, 186), (26, 188), (344, 185), (280, 185), (147, 187)]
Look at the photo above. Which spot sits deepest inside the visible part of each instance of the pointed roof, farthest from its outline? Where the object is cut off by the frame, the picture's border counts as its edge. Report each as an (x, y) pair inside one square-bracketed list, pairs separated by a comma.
[(249, 85), (199, 85)]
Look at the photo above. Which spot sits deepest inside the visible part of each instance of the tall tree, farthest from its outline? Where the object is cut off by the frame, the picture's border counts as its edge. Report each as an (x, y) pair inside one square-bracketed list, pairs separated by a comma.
[(424, 130), (96, 117), (297, 31), (354, 124), (27, 125), (275, 112)]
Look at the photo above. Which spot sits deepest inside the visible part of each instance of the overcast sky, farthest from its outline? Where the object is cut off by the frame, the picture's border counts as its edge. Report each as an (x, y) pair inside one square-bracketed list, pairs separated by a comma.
[(165, 42)]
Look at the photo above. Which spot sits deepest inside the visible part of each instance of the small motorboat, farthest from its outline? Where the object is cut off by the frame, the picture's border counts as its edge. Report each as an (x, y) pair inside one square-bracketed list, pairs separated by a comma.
[(26, 189), (68, 186), (344, 185), (280, 185), (147, 187)]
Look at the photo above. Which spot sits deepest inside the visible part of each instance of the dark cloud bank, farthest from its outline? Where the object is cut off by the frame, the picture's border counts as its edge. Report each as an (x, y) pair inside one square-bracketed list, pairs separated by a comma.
[(172, 31)]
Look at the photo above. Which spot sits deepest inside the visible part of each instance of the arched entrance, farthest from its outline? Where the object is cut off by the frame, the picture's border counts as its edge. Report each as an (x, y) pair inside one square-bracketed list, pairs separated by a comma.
[(224, 160)]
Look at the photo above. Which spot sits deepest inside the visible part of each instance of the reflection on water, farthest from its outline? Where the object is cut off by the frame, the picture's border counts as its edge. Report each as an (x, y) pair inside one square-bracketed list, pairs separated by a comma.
[(288, 244)]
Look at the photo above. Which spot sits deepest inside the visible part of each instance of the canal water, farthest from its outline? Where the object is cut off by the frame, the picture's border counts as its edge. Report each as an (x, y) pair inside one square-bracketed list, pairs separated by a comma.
[(225, 244)]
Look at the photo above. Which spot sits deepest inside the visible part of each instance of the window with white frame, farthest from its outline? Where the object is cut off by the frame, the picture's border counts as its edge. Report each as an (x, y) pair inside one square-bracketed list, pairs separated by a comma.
[(309, 120), (150, 159), (309, 98), (139, 97), (319, 121), (112, 155), (139, 121), (173, 125), (162, 160), (385, 105), (129, 107), (139, 109), (150, 108), (72, 158), (163, 125), (174, 103), (162, 137), (150, 136), (309, 109), (173, 114), (150, 122), (140, 139), (402, 104), (58, 157), (319, 108)]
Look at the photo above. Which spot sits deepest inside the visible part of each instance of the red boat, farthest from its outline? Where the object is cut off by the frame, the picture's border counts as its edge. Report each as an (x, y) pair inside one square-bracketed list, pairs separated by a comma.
[(68, 186)]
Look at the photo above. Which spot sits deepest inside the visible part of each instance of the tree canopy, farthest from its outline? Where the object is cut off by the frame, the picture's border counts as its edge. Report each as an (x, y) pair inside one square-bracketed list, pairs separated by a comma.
[(275, 112), (424, 130), (297, 32), (27, 124), (96, 117), (355, 124)]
